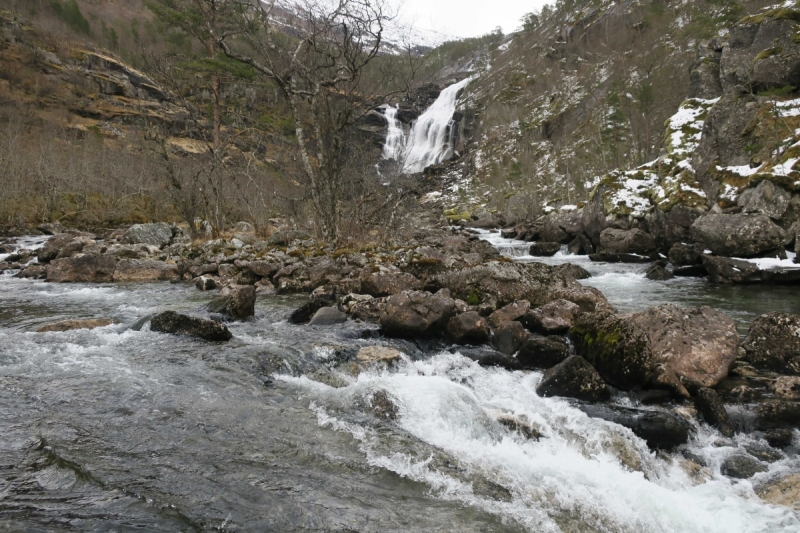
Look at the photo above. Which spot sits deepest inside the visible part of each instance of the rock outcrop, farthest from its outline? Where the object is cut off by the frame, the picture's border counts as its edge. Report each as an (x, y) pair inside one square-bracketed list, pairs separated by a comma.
[(773, 343)]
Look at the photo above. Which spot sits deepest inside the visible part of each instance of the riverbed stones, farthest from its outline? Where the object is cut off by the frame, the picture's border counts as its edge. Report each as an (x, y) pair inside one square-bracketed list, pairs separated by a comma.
[(53, 246), (238, 303), (69, 325), (157, 234), (786, 387), (417, 314), (573, 378), (554, 318), (140, 270), (784, 490), (33, 272), (774, 413), (633, 241), (773, 343), (378, 355), (509, 337), (327, 316), (468, 328), (512, 311), (542, 352), (380, 284), (742, 466), (710, 406), (544, 249), (736, 235), (82, 269), (175, 323)]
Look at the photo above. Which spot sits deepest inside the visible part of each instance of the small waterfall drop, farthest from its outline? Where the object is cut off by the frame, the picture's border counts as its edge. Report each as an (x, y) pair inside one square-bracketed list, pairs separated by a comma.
[(395, 137)]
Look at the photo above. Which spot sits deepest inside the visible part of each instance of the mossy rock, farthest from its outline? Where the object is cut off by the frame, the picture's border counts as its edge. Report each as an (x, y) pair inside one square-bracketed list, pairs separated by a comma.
[(781, 13), (769, 52)]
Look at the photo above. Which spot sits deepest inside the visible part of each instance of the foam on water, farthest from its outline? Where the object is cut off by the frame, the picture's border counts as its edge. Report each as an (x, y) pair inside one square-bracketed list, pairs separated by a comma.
[(584, 472)]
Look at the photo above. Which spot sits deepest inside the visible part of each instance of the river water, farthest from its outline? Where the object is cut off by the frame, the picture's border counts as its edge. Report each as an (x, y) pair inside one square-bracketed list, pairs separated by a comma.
[(122, 429)]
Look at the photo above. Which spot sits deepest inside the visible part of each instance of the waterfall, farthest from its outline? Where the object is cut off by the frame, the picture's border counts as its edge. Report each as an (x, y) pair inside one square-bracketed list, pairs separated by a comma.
[(432, 137), (395, 137)]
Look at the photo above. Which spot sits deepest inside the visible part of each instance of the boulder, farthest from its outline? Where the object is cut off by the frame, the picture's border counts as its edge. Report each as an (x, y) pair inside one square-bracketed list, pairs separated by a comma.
[(738, 235), (573, 378), (554, 318), (542, 352), (581, 245), (710, 406), (285, 237), (773, 414), (380, 284), (53, 247), (75, 246), (327, 316), (69, 325), (33, 272), (468, 328), (512, 311), (204, 283), (139, 270), (661, 430), (633, 241), (378, 354), (784, 490), (416, 314), (158, 234), (572, 271), (726, 270), (786, 388), (779, 437), (773, 343), (82, 268), (172, 322), (742, 466), (304, 313), (362, 306), (544, 249), (765, 199), (238, 303), (589, 299), (509, 337), (682, 254), (608, 257), (690, 271), (383, 406), (658, 272), (263, 269)]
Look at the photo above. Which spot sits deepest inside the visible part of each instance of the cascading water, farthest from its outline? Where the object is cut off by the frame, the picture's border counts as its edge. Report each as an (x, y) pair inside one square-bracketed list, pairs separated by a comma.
[(432, 137)]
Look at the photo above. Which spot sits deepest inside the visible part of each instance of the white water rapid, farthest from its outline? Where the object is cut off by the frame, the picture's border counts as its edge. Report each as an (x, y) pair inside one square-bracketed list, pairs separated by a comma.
[(432, 136)]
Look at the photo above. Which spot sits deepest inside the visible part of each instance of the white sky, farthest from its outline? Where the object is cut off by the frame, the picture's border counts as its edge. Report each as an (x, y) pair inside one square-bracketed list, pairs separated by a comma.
[(467, 18)]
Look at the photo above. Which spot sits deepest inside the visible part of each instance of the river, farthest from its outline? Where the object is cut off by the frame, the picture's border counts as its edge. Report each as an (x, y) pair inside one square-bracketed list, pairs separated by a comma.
[(121, 429)]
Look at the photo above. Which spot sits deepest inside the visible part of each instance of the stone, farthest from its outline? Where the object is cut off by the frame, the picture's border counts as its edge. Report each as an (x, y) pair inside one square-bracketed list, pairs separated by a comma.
[(661, 430), (581, 245), (786, 387), (509, 233), (82, 268), (263, 269), (737, 235), (379, 284), (773, 343), (53, 247), (140, 270), (608, 257), (69, 325), (573, 378), (327, 316), (509, 337), (779, 437), (572, 271), (726, 270), (383, 406), (468, 328), (520, 426), (544, 249), (204, 283), (172, 322), (33, 272), (512, 311), (742, 466), (416, 314), (304, 313), (378, 354), (542, 352), (238, 303), (554, 318), (782, 491), (684, 255), (765, 199), (589, 299), (634, 241), (657, 272), (75, 246), (362, 307), (157, 234), (710, 406), (691, 271), (771, 414), (285, 237)]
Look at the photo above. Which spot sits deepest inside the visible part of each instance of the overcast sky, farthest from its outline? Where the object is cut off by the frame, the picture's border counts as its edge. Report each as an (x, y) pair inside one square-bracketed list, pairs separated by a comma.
[(468, 18)]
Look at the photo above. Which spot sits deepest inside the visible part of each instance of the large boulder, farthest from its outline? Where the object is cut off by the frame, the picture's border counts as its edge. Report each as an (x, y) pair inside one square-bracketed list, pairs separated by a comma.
[(773, 343), (53, 247), (765, 199), (417, 314), (237, 302), (172, 322), (542, 352), (513, 311), (327, 316), (726, 270), (738, 235), (544, 249), (662, 347), (144, 270), (633, 241), (682, 254), (157, 234), (380, 284), (82, 268), (574, 378), (553, 318), (661, 430), (509, 337), (742, 466), (784, 490), (710, 406), (777, 414), (468, 328)]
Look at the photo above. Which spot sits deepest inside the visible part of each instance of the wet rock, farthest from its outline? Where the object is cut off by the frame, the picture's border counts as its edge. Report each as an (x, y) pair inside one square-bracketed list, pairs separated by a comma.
[(158, 234), (327, 316), (554, 318), (773, 343), (710, 406), (82, 268), (684, 255), (573, 378), (416, 314), (53, 246), (140, 270), (69, 325), (468, 328), (380, 284), (765, 199), (239, 303), (544, 249), (497, 359), (742, 467), (205, 283), (75, 246), (786, 387), (378, 354), (634, 241), (520, 426), (763, 453), (725, 270), (509, 337), (509, 233), (172, 322), (691, 271), (33, 272), (661, 430), (779, 437), (608, 257), (738, 235), (782, 491), (383, 406), (540, 352), (362, 306), (657, 272), (581, 245), (772, 414), (512, 311), (572, 271), (303, 314)]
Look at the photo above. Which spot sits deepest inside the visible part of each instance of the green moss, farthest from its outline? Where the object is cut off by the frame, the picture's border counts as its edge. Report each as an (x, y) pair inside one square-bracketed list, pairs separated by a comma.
[(474, 298), (781, 13), (769, 52)]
